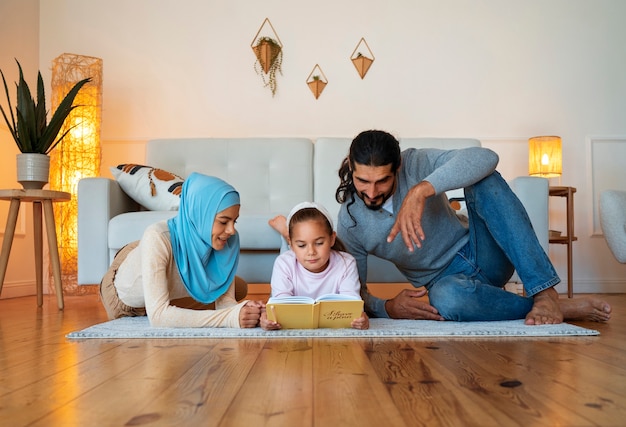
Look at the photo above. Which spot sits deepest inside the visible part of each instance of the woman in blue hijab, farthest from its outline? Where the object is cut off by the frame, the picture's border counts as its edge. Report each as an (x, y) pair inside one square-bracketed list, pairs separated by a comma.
[(195, 254)]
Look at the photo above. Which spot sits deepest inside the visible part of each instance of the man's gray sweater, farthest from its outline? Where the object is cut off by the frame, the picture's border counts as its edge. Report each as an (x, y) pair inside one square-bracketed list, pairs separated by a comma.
[(364, 231)]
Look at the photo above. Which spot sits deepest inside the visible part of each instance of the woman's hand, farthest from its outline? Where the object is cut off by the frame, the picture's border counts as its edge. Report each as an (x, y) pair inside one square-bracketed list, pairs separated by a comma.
[(267, 324), (362, 322), (250, 314)]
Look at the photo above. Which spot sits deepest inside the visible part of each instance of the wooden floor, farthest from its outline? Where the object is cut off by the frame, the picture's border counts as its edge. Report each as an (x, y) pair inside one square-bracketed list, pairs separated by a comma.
[(46, 380)]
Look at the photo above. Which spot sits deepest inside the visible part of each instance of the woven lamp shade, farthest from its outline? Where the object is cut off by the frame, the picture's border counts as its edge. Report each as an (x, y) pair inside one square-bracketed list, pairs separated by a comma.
[(545, 156), (78, 155)]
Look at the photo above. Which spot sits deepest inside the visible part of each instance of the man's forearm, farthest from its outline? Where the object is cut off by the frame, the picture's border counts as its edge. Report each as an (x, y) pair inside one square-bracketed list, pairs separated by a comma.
[(374, 306)]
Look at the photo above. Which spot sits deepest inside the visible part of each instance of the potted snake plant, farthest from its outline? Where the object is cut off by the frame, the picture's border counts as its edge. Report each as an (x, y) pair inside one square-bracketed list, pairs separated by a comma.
[(34, 135)]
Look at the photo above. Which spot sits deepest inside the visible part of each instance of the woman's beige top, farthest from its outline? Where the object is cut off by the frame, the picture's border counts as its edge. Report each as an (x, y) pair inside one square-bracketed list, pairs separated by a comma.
[(149, 278)]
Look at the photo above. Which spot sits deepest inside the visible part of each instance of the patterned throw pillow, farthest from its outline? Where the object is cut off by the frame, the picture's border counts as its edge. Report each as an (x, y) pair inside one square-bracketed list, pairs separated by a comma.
[(154, 189)]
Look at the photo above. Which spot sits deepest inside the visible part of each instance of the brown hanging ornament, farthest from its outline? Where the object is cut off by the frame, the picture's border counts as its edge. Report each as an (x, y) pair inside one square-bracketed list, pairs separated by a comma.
[(362, 57), (317, 81), (268, 50)]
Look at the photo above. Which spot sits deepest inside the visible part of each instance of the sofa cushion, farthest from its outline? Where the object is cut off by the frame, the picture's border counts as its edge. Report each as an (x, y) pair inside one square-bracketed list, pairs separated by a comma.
[(154, 189), (254, 231)]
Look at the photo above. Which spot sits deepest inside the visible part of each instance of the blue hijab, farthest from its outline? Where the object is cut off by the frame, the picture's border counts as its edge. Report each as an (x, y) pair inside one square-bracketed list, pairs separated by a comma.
[(206, 273)]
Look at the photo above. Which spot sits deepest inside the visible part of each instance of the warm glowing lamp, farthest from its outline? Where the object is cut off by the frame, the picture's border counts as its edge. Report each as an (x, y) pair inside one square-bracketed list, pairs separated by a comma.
[(78, 155), (545, 156)]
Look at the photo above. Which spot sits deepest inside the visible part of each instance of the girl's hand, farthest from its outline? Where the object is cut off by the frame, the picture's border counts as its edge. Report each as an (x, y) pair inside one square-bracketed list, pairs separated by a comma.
[(250, 314), (362, 322), (268, 325)]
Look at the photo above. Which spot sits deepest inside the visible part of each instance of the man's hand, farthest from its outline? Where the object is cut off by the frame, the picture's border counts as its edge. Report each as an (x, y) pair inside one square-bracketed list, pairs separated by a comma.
[(409, 218), (250, 314), (406, 305)]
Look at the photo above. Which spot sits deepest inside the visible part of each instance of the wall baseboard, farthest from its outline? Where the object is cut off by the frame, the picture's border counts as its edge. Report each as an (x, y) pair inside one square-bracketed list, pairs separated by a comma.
[(600, 286), (19, 289)]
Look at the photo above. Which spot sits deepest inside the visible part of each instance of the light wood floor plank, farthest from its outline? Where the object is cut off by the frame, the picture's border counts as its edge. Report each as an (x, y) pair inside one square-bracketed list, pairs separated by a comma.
[(347, 390), (194, 394), (132, 382), (422, 389), (542, 379), (279, 388)]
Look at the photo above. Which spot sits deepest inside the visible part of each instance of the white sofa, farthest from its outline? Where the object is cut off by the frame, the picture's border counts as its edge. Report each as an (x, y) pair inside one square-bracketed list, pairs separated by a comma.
[(272, 175)]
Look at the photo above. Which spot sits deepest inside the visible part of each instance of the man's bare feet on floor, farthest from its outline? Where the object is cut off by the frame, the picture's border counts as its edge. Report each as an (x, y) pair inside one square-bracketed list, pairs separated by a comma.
[(549, 309), (546, 310), (586, 308)]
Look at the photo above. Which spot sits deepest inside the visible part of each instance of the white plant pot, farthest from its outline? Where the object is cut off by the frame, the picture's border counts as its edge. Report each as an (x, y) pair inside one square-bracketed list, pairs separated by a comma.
[(33, 170)]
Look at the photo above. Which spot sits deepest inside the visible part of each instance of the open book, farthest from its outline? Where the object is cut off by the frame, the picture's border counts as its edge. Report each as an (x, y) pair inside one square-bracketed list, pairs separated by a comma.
[(327, 311)]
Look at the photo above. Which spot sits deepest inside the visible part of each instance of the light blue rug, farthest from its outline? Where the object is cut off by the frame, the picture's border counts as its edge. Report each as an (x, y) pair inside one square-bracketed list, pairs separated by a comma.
[(138, 327)]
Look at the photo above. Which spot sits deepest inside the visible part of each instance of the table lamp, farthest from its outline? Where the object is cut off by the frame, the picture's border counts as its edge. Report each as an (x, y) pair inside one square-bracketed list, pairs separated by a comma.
[(545, 156)]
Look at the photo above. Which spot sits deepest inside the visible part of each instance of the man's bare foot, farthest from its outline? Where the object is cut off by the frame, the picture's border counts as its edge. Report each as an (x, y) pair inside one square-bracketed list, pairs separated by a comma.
[(546, 310), (588, 308), (279, 223)]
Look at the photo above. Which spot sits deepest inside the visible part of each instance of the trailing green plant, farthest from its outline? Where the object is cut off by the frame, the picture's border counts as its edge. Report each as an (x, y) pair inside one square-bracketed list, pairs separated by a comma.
[(273, 66), (29, 123)]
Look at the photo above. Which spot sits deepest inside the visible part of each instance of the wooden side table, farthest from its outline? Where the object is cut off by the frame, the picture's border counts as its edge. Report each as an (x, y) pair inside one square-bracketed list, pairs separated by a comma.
[(568, 238), (38, 198)]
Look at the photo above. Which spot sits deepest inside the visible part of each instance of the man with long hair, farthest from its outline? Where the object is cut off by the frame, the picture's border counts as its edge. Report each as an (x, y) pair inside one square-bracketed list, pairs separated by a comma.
[(393, 205)]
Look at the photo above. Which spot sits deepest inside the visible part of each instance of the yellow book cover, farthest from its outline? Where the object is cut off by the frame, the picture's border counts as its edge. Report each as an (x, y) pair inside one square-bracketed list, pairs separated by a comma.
[(328, 311)]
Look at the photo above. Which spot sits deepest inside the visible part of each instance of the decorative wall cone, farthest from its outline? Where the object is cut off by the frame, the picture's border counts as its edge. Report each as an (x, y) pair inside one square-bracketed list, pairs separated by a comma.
[(266, 52), (33, 170), (317, 87), (362, 64)]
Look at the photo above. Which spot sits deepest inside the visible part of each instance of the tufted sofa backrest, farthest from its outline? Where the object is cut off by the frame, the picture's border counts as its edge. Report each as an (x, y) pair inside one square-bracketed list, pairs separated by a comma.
[(271, 174)]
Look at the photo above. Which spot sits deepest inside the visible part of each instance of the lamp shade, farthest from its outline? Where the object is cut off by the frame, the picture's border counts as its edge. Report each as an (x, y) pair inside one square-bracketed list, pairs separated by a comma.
[(545, 156)]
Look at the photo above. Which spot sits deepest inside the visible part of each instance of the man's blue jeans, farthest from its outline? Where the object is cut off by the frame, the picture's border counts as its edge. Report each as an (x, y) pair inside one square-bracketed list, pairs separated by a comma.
[(501, 240)]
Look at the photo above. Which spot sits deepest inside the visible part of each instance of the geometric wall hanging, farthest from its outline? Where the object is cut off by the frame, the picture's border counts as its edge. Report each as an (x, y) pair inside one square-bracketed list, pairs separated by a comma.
[(362, 57), (268, 50), (317, 81)]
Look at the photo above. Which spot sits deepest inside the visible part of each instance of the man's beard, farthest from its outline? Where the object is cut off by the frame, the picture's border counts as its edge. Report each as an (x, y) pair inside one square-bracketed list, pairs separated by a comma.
[(377, 206), (373, 207)]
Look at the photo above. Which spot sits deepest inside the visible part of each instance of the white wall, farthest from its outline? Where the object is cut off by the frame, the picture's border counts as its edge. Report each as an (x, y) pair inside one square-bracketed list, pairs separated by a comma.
[(498, 70), (19, 39)]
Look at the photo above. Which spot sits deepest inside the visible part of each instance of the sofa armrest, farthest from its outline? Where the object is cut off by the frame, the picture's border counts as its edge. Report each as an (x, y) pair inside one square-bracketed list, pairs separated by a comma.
[(99, 200), (534, 193)]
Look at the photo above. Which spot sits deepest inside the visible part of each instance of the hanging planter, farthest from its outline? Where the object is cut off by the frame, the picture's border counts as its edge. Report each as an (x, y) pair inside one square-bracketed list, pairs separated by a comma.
[(362, 57), (267, 51), (269, 56), (317, 81)]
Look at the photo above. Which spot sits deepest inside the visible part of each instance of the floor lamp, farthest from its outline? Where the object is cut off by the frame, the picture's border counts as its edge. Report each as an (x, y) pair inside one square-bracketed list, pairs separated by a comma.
[(78, 155)]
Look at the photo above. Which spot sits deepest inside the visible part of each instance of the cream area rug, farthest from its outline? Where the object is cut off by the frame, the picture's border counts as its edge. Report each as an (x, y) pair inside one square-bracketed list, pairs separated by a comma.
[(139, 327)]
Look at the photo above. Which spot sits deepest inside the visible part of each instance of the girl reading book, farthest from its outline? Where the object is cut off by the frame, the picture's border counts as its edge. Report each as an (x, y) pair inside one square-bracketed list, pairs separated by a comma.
[(315, 264)]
